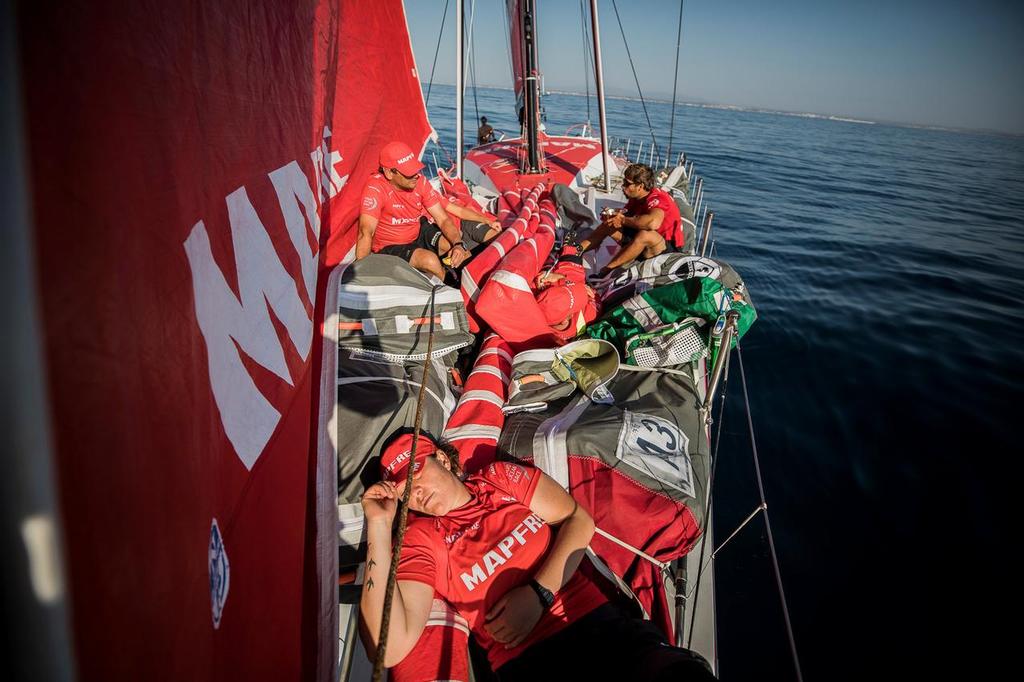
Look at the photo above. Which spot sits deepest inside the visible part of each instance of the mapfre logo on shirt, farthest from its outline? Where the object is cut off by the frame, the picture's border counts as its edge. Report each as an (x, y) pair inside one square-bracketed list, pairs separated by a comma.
[(482, 570), (369, 203)]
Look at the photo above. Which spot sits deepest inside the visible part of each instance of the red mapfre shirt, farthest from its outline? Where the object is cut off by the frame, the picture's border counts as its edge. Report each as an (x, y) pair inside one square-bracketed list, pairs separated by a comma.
[(397, 212), (480, 551), (672, 225)]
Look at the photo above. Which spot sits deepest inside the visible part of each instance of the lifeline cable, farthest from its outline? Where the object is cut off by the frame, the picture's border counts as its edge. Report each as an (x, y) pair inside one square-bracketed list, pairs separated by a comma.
[(403, 512), (767, 525)]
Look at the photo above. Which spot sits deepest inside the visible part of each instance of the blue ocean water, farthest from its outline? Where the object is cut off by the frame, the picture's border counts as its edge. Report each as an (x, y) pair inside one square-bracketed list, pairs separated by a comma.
[(885, 376)]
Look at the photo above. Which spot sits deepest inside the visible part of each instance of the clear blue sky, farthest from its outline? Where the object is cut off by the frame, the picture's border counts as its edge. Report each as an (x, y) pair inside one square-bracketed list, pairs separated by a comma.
[(941, 62)]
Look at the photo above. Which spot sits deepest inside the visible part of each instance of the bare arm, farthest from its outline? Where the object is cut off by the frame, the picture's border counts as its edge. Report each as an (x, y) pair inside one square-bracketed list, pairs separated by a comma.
[(515, 614), (367, 226), (575, 529), (647, 221), (410, 606), (470, 213)]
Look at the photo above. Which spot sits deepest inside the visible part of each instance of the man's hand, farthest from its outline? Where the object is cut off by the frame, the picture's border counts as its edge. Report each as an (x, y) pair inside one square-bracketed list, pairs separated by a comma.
[(380, 501), (617, 220), (494, 225), (512, 619), (548, 279), (458, 255)]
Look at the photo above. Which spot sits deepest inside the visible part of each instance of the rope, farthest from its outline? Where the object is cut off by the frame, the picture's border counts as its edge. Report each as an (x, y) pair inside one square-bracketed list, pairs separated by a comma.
[(654, 141), (440, 35), (403, 512), (767, 524), (675, 82)]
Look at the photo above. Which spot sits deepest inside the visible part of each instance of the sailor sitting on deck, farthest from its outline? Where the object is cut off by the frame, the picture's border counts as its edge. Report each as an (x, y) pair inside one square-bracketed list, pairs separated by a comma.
[(504, 547), (485, 133), (391, 221), (649, 225)]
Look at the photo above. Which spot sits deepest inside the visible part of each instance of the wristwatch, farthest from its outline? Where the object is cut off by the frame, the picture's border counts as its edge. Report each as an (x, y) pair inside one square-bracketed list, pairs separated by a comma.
[(546, 596)]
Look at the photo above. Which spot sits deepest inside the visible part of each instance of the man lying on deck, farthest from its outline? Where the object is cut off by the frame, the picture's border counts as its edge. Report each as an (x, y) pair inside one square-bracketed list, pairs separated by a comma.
[(395, 200), (649, 225), (505, 547)]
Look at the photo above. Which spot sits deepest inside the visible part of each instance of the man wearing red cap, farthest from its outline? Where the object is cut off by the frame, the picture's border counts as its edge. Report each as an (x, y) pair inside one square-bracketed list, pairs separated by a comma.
[(392, 219), (504, 547), (567, 303)]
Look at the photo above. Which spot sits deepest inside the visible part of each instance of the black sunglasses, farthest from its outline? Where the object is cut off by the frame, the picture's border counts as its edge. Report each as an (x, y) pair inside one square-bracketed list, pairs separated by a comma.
[(407, 177)]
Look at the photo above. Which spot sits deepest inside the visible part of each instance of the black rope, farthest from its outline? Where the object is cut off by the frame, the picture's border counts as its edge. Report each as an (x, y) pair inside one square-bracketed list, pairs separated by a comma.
[(654, 140), (437, 49), (675, 82), (767, 525)]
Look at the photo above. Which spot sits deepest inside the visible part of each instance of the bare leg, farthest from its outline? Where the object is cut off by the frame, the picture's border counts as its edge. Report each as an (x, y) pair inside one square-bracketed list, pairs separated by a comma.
[(645, 240), (600, 233), (428, 262)]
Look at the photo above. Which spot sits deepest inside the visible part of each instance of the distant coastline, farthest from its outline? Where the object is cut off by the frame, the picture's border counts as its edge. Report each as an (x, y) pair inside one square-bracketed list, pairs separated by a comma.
[(777, 112)]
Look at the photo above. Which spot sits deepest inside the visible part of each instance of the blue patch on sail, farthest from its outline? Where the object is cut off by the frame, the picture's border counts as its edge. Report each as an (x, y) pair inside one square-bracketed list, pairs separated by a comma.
[(220, 573)]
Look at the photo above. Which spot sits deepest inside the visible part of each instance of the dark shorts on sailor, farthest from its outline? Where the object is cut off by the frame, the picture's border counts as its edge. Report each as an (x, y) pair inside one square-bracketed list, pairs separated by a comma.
[(630, 233), (474, 233), (606, 644), (429, 236)]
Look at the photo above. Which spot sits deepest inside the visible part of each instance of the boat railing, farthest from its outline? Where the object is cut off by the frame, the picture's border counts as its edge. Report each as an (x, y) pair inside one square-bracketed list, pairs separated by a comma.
[(721, 335)]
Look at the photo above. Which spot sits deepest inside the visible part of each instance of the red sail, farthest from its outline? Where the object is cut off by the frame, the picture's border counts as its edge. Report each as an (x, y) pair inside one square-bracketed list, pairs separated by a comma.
[(515, 30), (194, 166)]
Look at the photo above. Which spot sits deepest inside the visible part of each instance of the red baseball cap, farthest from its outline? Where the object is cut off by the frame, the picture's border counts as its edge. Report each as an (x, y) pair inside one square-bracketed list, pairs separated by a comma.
[(399, 155), (559, 302), (395, 458)]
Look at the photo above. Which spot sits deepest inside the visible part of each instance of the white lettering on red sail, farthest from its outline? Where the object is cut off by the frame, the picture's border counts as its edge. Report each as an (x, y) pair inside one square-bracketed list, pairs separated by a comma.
[(264, 285)]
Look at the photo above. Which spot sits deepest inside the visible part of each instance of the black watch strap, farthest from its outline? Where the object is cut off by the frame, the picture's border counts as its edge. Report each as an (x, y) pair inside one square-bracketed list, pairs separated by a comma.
[(546, 596)]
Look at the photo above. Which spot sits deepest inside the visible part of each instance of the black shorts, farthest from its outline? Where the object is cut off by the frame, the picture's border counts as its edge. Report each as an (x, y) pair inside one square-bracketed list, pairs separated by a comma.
[(430, 235), (473, 233), (606, 644)]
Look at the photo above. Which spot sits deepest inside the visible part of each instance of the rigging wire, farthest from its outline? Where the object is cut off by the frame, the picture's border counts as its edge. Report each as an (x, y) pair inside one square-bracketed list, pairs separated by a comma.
[(675, 83), (472, 60), (587, 60), (440, 35), (767, 524), (654, 140), (503, 12)]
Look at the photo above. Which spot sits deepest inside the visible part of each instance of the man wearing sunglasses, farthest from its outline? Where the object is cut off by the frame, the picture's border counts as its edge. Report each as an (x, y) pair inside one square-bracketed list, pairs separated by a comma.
[(649, 225), (393, 215)]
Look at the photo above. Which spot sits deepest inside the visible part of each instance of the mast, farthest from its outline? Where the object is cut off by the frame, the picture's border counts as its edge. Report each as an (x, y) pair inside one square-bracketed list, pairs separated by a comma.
[(532, 96), (599, 77), (459, 78)]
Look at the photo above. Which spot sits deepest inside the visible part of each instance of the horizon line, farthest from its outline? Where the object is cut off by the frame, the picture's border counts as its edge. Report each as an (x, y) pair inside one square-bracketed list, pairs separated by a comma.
[(842, 118)]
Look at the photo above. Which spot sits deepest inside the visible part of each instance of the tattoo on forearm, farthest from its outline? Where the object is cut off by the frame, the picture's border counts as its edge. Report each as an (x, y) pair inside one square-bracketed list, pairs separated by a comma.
[(370, 565), (369, 584)]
